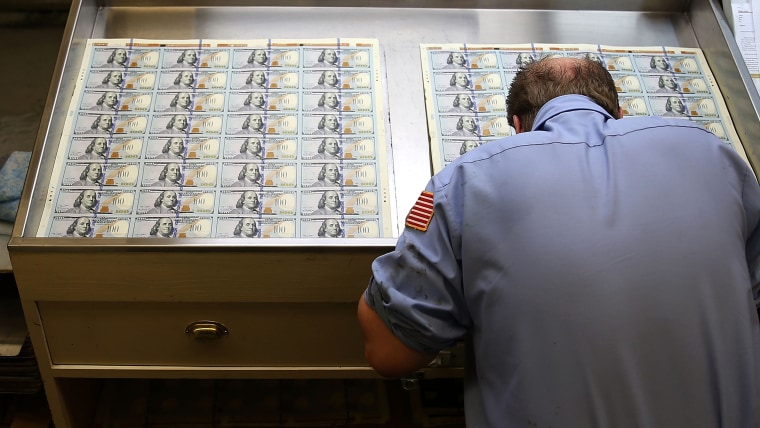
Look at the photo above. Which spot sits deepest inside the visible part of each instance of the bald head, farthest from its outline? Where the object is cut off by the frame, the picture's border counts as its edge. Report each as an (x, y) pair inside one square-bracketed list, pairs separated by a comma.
[(540, 82), (561, 64)]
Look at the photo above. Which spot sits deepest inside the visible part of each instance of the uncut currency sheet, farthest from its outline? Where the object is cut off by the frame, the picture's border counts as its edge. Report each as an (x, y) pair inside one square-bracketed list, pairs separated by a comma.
[(223, 139), (466, 88)]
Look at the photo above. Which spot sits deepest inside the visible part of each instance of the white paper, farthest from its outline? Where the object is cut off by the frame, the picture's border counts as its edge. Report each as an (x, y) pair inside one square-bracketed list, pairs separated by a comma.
[(746, 37)]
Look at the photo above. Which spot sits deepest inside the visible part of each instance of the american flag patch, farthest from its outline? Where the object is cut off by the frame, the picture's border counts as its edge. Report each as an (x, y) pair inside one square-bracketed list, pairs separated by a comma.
[(421, 213)]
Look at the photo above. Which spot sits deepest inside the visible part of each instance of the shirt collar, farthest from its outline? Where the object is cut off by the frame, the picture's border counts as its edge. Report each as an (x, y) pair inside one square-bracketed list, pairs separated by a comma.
[(566, 103)]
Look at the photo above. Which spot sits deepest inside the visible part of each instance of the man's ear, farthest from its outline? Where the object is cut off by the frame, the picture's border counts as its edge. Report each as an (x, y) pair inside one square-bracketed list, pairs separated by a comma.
[(620, 113), (518, 125)]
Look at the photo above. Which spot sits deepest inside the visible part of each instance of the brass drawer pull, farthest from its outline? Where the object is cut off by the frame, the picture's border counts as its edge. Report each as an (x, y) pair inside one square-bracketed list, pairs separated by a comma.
[(206, 330)]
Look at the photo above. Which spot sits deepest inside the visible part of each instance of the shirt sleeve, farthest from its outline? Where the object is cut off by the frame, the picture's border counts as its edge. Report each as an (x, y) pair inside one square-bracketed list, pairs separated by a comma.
[(417, 288)]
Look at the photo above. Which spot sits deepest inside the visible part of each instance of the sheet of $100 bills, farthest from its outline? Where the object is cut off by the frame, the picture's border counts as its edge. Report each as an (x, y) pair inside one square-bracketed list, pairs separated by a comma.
[(223, 139), (466, 88)]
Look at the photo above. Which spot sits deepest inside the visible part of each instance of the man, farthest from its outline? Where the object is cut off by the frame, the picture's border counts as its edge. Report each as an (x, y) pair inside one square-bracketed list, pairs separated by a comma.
[(101, 125), (328, 102), (182, 102), (249, 176), (113, 80), (328, 125), (174, 148), (176, 125), (329, 176), (256, 80), (327, 58), (329, 148), (523, 59), (255, 101), (85, 203), (674, 107), (253, 124), (667, 84), (459, 82), (598, 268), (170, 176), (187, 59), (462, 103), (108, 101), (117, 59), (162, 228), (90, 176), (184, 80), (250, 149), (467, 146), (327, 80), (245, 228), (257, 59), (96, 150), (79, 228), (330, 228), (329, 204), (247, 203), (166, 203), (456, 60), (658, 64), (466, 127)]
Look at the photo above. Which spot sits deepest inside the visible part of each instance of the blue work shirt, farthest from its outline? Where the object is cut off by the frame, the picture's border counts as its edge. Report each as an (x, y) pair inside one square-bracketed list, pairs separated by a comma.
[(604, 272)]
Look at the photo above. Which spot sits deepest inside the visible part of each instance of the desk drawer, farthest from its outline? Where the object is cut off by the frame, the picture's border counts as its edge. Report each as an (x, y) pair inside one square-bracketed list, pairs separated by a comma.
[(154, 333)]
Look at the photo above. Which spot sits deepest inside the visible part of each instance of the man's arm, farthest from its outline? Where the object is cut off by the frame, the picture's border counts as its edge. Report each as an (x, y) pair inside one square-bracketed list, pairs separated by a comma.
[(384, 351)]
